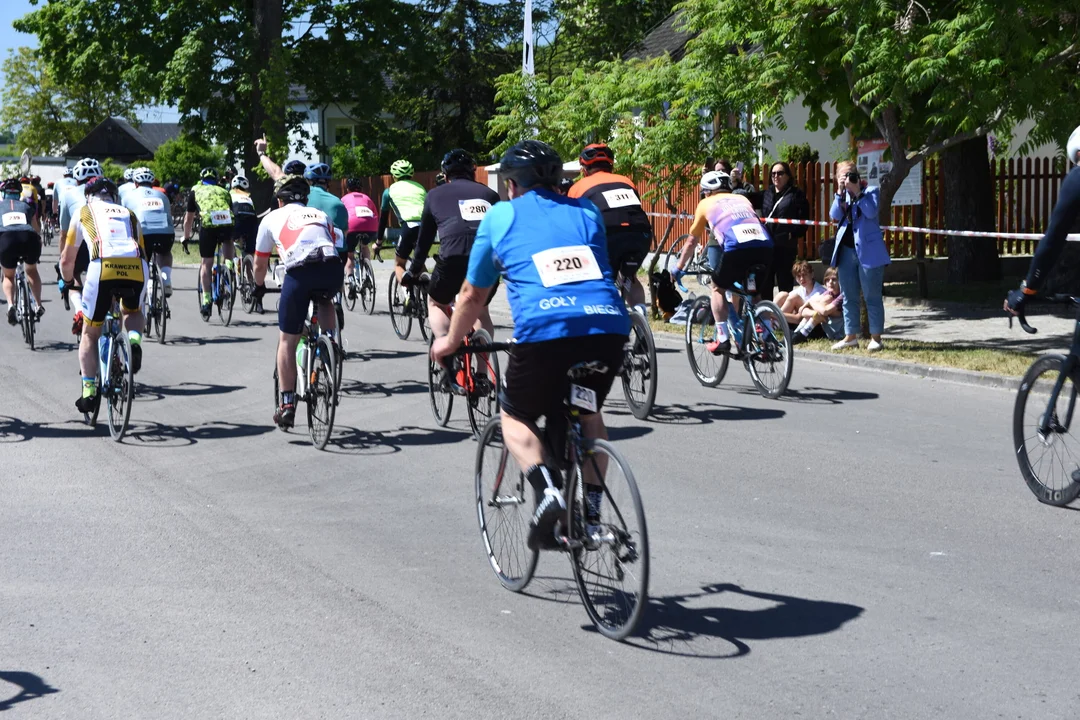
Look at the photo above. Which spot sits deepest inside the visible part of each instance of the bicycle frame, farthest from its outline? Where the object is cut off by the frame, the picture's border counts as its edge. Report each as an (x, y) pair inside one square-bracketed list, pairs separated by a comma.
[(1068, 371)]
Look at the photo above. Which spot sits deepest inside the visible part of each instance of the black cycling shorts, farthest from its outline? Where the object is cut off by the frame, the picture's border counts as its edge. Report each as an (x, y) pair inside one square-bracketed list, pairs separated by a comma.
[(318, 280), (355, 239), (82, 262), (627, 250), (448, 277), (535, 382), (210, 238), (244, 232), (16, 245), (407, 242), (735, 264), (160, 244)]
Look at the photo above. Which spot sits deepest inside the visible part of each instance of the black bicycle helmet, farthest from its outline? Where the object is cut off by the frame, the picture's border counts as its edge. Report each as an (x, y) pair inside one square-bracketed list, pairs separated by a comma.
[(355, 184), (565, 184), (12, 185), (291, 188), (294, 167), (208, 173), (101, 186), (458, 163), (531, 163)]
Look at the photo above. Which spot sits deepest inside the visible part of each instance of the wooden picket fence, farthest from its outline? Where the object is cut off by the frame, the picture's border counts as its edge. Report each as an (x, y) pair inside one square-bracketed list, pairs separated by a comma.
[(1026, 191)]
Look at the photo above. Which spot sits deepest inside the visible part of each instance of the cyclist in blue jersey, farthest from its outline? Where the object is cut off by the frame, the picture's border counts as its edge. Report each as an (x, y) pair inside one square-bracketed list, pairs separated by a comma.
[(552, 252), (1064, 219)]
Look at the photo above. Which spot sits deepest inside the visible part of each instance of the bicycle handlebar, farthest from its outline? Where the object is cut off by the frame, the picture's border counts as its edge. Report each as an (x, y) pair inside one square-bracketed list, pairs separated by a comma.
[(491, 347), (1055, 299)]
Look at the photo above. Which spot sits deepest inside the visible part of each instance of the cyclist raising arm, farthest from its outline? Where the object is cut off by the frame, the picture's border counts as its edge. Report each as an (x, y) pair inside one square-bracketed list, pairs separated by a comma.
[(553, 253), (1062, 221)]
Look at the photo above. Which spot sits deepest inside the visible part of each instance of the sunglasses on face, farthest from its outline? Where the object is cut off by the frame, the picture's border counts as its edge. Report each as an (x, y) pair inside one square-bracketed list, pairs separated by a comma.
[(778, 173)]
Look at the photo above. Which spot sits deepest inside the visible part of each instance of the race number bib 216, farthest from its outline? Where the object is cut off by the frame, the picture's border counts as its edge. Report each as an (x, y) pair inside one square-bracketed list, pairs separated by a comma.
[(220, 217), (562, 265), (473, 210)]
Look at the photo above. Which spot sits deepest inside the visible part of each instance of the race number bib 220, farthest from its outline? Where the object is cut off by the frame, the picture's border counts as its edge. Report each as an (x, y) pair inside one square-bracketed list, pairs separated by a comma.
[(473, 210), (562, 265)]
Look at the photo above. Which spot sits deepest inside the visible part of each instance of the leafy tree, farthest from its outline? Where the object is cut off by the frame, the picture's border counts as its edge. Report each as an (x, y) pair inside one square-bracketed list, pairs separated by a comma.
[(49, 116), (113, 170), (183, 157), (354, 161), (593, 30), (924, 76)]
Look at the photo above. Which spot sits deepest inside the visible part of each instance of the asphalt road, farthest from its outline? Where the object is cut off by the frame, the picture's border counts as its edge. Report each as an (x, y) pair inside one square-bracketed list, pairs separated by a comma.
[(864, 548)]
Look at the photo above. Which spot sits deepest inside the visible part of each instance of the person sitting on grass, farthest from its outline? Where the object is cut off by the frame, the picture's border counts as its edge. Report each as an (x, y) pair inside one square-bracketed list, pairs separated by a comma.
[(792, 303), (823, 310)]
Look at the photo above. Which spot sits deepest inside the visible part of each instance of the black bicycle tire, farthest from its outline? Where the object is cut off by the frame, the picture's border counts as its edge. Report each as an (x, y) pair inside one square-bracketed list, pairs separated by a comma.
[(422, 314), (481, 337), (157, 306), (368, 305), (325, 357), (247, 284), (625, 629), (702, 303), (163, 319), (517, 583), (643, 409), (347, 298), (400, 316), (127, 390), (27, 312), (227, 296), (441, 417), (671, 257), (1044, 493), (789, 357)]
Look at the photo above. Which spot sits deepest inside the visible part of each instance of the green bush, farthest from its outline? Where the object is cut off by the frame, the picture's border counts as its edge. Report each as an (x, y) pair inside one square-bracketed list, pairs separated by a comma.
[(183, 157), (796, 154)]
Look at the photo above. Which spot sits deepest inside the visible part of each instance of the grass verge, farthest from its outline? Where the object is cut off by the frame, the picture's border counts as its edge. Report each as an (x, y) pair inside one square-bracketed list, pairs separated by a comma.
[(976, 359)]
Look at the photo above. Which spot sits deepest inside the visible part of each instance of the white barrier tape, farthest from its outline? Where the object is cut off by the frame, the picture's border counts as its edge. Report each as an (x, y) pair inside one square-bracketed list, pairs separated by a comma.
[(895, 228)]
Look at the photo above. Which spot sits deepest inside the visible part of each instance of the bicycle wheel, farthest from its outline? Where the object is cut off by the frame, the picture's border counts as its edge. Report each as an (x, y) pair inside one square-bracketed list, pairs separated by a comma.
[(339, 313), (226, 295), (352, 286), (442, 401), (770, 357), (159, 310), (27, 312), (421, 313), (322, 394), (639, 368), (1048, 454), (671, 258), (482, 399), (277, 394), (121, 390), (367, 287), (709, 369), (503, 510), (612, 567), (395, 296), (247, 284)]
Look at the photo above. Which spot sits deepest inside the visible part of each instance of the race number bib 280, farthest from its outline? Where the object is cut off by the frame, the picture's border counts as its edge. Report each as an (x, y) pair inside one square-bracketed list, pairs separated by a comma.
[(220, 217), (473, 210), (562, 265), (14, 218), (623, 197), (748, 233), (363, 211)]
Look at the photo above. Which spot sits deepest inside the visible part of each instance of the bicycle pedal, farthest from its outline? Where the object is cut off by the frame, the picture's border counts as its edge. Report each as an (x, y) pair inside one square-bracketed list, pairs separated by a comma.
[(569, 545)]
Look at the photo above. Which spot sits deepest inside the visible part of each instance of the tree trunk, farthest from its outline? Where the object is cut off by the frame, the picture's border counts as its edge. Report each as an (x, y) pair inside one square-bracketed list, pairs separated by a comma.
[(969, 205), (266, 113)]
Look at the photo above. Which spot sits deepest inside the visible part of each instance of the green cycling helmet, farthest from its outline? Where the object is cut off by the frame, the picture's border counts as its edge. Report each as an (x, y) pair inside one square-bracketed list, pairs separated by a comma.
[(401, 169)]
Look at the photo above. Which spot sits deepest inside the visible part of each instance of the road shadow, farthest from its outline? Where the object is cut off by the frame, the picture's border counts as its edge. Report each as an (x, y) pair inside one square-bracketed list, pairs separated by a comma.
[(369, 355), (354, 441), (627, 432), (184, 389), (704, 413), (254, 323), (30, 686), (13, 430), (157, 435), (670, 627), (185, 341), (359, 388), (825, 396), (57, 347)]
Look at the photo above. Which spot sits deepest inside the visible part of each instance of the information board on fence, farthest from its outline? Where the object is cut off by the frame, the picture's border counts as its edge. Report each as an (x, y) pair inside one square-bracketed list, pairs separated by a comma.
[(872, 167)]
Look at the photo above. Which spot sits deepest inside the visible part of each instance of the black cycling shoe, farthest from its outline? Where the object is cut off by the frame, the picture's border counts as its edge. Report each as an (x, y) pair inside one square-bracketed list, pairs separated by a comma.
[(285, 417), (86, 404), (205, 311), (542, 526), (40, 311), (11, 316), (136, 358)]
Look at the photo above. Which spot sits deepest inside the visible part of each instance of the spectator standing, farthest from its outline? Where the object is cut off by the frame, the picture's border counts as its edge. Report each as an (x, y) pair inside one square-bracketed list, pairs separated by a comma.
[(859, 255), (783, 199)]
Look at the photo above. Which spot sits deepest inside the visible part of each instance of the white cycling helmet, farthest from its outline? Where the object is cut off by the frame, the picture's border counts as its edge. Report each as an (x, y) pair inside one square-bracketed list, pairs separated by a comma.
[(1072, 148), (716, 181), (143, 175), (129, 173), (85, 169), (240, 183)]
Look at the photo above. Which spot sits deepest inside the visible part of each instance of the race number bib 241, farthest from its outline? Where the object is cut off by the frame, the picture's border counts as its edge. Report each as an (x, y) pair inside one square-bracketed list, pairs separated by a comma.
[(562, 265)]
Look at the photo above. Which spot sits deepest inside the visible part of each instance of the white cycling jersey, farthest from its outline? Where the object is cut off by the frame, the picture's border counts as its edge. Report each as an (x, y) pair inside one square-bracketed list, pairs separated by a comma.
[(300, 233)]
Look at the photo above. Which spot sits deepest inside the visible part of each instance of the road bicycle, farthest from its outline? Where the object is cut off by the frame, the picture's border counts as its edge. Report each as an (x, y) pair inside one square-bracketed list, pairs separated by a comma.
[(222, 289), (48, 230), (245, 283), (760, 338), (608, 548), (639, 367), (360, 283), (157, 304), (697, 265), (25, 307), (1049, 456), (115, 379), (317, 381), (473, 376), (407, 304)]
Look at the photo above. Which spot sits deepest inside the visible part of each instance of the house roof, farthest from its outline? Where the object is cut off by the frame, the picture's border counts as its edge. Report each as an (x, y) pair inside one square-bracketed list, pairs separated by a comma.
[(666, 38), (116, 138)]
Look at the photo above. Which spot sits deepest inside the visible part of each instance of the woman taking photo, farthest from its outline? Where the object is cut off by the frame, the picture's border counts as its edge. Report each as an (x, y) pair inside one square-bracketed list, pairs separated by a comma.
[(859, 256), (783, 199)]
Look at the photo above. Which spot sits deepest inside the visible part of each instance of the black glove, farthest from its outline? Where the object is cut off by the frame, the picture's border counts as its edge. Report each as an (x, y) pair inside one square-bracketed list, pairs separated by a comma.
[(408, 279), (184, 244), (1015, 300), (259, 292)]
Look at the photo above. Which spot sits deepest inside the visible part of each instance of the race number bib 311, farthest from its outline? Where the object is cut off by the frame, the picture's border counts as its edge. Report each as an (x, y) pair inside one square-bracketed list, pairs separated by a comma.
[(473, 210), (14, 218), (220, 217), (562, 265), (623, 197)]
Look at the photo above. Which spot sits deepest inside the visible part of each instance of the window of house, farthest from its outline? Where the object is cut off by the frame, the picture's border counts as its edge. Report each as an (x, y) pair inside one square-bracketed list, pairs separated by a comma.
[(343, 135)]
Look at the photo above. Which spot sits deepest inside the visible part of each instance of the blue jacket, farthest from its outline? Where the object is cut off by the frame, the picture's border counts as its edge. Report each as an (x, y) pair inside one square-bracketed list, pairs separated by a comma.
[(869, 240)]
